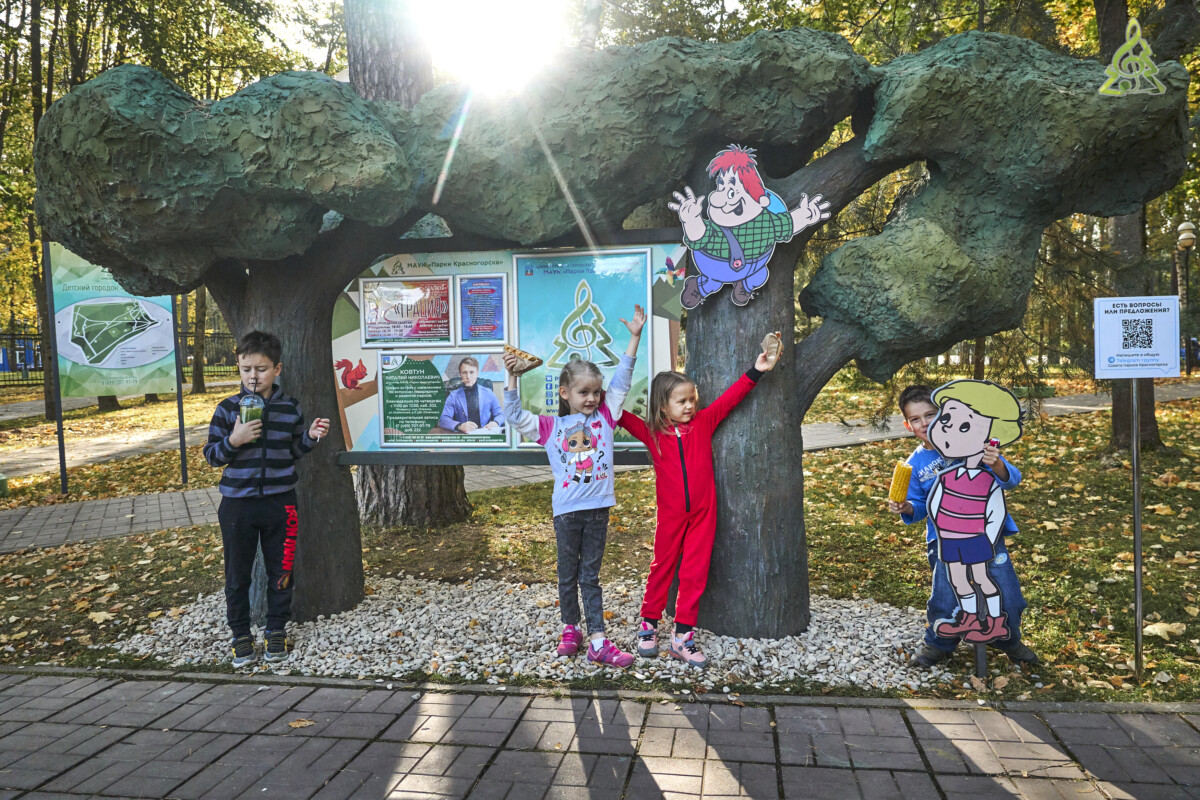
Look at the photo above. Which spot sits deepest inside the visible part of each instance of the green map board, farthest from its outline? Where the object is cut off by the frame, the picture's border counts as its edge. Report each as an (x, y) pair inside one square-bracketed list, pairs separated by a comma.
[(109, 341)]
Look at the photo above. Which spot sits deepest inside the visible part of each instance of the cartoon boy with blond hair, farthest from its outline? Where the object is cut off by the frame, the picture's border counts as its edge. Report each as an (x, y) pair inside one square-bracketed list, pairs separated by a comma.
[(737, 240), (966, 504)]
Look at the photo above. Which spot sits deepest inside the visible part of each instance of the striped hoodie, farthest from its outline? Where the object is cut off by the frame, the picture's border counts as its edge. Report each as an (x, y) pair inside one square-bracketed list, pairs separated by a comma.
[(267, 466)]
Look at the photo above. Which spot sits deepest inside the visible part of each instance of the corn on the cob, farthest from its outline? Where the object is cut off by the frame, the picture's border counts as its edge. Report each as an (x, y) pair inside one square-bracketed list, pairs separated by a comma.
[(900, 477)]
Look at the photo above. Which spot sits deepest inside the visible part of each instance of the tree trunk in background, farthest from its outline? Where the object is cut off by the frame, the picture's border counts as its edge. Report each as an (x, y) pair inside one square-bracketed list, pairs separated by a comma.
[(153, 397), (590, 29), (200, 329), (387, 496), (109, 402), (388, 62), (979, 358), (1127, 235), (1127, 239)]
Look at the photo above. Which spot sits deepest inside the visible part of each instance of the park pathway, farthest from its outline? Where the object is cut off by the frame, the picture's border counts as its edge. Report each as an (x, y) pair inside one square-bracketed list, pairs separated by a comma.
[(48, 526), (74, 734)]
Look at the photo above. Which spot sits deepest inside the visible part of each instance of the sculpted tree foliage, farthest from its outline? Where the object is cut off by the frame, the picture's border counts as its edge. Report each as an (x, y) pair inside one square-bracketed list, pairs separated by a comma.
[(277, 197)]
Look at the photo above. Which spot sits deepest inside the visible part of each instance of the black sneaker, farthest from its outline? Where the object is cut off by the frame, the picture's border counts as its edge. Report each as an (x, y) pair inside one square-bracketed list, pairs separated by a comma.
[(929, 657), (1022, 656), (243, 651), (275, 646)]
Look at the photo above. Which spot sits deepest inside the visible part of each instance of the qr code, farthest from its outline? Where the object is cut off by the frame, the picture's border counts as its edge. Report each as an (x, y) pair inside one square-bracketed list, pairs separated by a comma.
[(1137, 334)]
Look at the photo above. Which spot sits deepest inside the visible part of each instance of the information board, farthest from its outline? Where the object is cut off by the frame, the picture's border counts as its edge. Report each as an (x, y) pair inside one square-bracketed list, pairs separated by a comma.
[(445, 400), (415, 312), (1137, 337), (109, 341)]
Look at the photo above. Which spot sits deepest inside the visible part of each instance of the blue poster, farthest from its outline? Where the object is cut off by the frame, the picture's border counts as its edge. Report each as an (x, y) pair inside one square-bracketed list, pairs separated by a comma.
[(481, 309), (569, 307)]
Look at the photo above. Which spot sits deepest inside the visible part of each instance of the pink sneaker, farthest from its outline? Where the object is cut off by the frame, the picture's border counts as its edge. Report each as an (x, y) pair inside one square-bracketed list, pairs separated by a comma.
[(609, 654), (685, 650), (571, 638), (647, 640)]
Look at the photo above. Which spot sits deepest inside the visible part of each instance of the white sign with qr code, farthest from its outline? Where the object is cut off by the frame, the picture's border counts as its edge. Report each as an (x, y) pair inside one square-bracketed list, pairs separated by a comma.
[(1137, 337)]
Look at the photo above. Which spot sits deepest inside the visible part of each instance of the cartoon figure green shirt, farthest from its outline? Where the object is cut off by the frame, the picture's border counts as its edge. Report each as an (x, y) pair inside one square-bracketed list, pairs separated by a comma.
[(756, 237)]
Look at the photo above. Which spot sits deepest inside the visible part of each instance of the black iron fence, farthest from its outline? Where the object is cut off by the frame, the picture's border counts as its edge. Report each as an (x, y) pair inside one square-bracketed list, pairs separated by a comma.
[(21, 357)]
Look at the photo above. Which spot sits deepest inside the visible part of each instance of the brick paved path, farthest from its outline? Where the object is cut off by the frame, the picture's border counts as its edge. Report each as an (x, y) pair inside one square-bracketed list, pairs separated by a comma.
[(70, 736)]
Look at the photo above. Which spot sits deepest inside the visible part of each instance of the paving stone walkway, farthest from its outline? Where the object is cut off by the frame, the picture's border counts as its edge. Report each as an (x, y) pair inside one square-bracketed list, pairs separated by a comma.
[(68, 736)]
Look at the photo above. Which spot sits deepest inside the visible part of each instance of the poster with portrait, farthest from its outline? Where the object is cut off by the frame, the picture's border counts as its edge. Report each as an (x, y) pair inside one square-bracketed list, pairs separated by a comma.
[(400, 312), (569, 307), (447, 400)]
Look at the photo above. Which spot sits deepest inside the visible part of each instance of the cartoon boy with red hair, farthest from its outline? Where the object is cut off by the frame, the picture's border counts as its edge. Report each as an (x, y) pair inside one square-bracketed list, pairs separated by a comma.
[(737, 240)]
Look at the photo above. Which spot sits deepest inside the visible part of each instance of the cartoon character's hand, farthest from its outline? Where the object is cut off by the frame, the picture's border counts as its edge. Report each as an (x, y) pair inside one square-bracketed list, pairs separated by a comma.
[(810, 212), (688, 208), (639, 321), (991, 456)]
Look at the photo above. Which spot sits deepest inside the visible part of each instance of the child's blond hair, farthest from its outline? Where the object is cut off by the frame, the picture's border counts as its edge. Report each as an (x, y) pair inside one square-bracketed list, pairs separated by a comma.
[(986, 399)]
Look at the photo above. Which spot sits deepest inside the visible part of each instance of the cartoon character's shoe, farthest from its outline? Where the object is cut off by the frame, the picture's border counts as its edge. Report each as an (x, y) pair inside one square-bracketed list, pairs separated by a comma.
[(963, 622), (994, 628), (588, 479), (741, 295), (568, 645), (609, 654), (684, 648), (691, 297), (647, 640)]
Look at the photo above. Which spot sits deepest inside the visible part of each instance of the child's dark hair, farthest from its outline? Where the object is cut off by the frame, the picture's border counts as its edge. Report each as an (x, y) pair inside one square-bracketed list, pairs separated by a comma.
[(917, 393), (575, 370), (260, 343)]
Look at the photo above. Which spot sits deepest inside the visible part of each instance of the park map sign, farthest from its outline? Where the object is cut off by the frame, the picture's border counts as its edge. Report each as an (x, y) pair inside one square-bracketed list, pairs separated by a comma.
[(109, 341), (418, 339)]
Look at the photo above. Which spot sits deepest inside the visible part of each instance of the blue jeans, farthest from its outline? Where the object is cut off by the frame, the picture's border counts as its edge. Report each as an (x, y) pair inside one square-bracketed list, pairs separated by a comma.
[(581, 536), (943, 602)]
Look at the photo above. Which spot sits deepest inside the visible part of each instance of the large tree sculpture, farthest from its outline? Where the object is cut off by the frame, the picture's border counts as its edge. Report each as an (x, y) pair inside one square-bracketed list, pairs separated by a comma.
[(277, 197)]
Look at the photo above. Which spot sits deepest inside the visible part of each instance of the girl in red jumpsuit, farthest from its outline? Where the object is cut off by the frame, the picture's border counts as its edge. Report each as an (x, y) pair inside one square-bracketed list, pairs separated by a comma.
[(679, 438)]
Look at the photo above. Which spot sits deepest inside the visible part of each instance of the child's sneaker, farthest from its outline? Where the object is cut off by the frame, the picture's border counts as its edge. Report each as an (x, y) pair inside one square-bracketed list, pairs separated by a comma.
[(647, 641), (609, 654), (243, 651), (275, 646), (685, 650), (571, 638)]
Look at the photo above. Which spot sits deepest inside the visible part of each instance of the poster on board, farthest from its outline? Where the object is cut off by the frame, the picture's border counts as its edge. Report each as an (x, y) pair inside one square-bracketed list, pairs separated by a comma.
[(402, 312), (569, 307), (109, 341), (447, 400), (482, 309)]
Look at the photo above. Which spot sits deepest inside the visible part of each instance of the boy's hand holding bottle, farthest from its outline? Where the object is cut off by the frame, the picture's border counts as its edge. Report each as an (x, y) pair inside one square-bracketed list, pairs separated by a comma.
[(245, 432)]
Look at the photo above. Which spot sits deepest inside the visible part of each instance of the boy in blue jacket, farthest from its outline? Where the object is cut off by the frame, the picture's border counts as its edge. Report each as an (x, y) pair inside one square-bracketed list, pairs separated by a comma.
[(919, 412)]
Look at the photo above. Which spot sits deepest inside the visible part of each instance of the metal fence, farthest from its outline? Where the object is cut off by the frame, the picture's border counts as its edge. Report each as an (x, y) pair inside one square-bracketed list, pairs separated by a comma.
[(20, 358)]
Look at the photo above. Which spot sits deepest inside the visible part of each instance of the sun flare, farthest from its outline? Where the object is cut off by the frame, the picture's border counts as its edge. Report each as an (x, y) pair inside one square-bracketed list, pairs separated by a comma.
[(494, 46)]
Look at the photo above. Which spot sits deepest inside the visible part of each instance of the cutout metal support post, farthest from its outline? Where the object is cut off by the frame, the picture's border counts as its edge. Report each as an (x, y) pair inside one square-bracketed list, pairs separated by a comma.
[(981, 668), (52, 333), (179, 390), (1135, 447)]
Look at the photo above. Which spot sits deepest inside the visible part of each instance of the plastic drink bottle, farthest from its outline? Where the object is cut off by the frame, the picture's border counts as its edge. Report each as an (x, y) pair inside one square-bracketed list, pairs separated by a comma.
[(251, 408)]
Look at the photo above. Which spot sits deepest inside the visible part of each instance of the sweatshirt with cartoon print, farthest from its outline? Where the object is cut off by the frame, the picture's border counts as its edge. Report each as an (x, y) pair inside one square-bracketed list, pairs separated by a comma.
[(580, 446)]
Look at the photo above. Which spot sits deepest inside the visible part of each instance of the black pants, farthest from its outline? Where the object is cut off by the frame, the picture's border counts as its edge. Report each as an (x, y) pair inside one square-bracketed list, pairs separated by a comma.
[(273, 521)]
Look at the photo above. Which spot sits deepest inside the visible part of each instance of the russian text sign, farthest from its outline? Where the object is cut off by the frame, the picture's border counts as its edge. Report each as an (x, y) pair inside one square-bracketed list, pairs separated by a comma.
[(1137, 337)]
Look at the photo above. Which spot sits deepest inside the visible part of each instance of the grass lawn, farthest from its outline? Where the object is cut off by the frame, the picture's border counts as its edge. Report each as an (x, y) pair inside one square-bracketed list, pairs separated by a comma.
[(1073, 554)]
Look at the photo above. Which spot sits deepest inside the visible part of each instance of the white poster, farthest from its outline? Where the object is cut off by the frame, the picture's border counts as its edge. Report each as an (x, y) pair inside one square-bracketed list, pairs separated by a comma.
[(1137, 337)]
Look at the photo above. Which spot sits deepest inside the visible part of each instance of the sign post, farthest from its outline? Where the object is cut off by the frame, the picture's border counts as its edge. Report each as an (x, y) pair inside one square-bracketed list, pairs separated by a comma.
[(1137, 337)]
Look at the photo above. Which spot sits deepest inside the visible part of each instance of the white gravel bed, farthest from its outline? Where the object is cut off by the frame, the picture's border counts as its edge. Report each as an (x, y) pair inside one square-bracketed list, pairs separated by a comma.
[(491, 631)]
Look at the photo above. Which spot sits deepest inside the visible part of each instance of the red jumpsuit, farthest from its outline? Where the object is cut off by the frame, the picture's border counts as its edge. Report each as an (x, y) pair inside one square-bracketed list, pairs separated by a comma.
[(687, 503)]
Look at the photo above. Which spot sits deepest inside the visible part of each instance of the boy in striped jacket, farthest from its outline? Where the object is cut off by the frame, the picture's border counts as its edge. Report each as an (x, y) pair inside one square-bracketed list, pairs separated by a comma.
[(258, 501)]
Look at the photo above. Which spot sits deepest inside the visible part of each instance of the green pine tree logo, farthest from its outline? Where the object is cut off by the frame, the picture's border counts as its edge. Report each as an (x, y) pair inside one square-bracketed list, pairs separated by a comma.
[(582, 335)]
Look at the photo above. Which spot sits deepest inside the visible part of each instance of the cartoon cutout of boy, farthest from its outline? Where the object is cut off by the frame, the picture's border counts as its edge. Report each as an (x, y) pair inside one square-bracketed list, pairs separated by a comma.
[(744, 222), (967, 505), (580, 447)]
